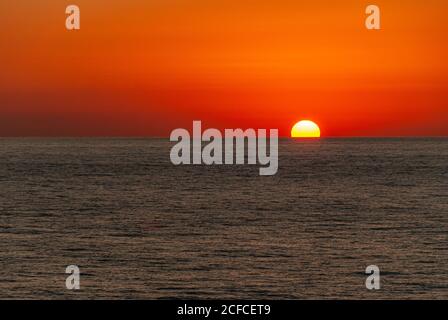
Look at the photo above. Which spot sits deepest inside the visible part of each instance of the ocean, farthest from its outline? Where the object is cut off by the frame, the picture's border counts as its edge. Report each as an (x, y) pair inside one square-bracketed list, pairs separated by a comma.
[(139, 227)]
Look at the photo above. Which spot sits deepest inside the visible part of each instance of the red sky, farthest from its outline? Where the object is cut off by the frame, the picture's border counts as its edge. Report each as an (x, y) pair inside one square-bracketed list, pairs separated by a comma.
[(139, 67)]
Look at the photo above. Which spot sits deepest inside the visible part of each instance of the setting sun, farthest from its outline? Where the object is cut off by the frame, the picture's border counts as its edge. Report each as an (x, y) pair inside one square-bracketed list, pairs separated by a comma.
[(305, 129)]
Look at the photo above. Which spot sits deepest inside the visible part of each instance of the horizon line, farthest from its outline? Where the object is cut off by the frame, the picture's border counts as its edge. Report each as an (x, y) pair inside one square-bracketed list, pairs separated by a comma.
[(167, 137)]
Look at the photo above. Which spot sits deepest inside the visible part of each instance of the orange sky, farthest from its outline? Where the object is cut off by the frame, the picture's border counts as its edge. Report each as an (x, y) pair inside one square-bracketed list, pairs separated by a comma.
[(146, 67)]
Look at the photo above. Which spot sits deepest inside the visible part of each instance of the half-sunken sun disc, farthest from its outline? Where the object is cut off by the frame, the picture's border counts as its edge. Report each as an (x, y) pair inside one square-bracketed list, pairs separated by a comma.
[(305, 129)]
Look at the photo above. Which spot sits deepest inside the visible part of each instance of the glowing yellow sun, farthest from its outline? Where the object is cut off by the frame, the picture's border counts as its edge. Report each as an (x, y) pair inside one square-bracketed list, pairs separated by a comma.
[(305, 129)]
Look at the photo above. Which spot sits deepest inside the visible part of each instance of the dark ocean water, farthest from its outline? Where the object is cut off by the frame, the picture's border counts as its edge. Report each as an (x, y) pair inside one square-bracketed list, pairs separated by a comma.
[(139, 227)]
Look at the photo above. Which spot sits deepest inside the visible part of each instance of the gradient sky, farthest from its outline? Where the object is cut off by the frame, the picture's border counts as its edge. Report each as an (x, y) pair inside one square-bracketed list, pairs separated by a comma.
[(146, 67)]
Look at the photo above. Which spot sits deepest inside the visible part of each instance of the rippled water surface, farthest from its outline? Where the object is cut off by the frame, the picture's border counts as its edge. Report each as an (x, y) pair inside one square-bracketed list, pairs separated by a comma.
[(139, 227)]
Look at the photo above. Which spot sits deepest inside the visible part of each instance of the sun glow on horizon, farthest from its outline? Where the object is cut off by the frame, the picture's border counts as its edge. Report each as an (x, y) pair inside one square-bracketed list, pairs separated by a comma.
[(305, 129)]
